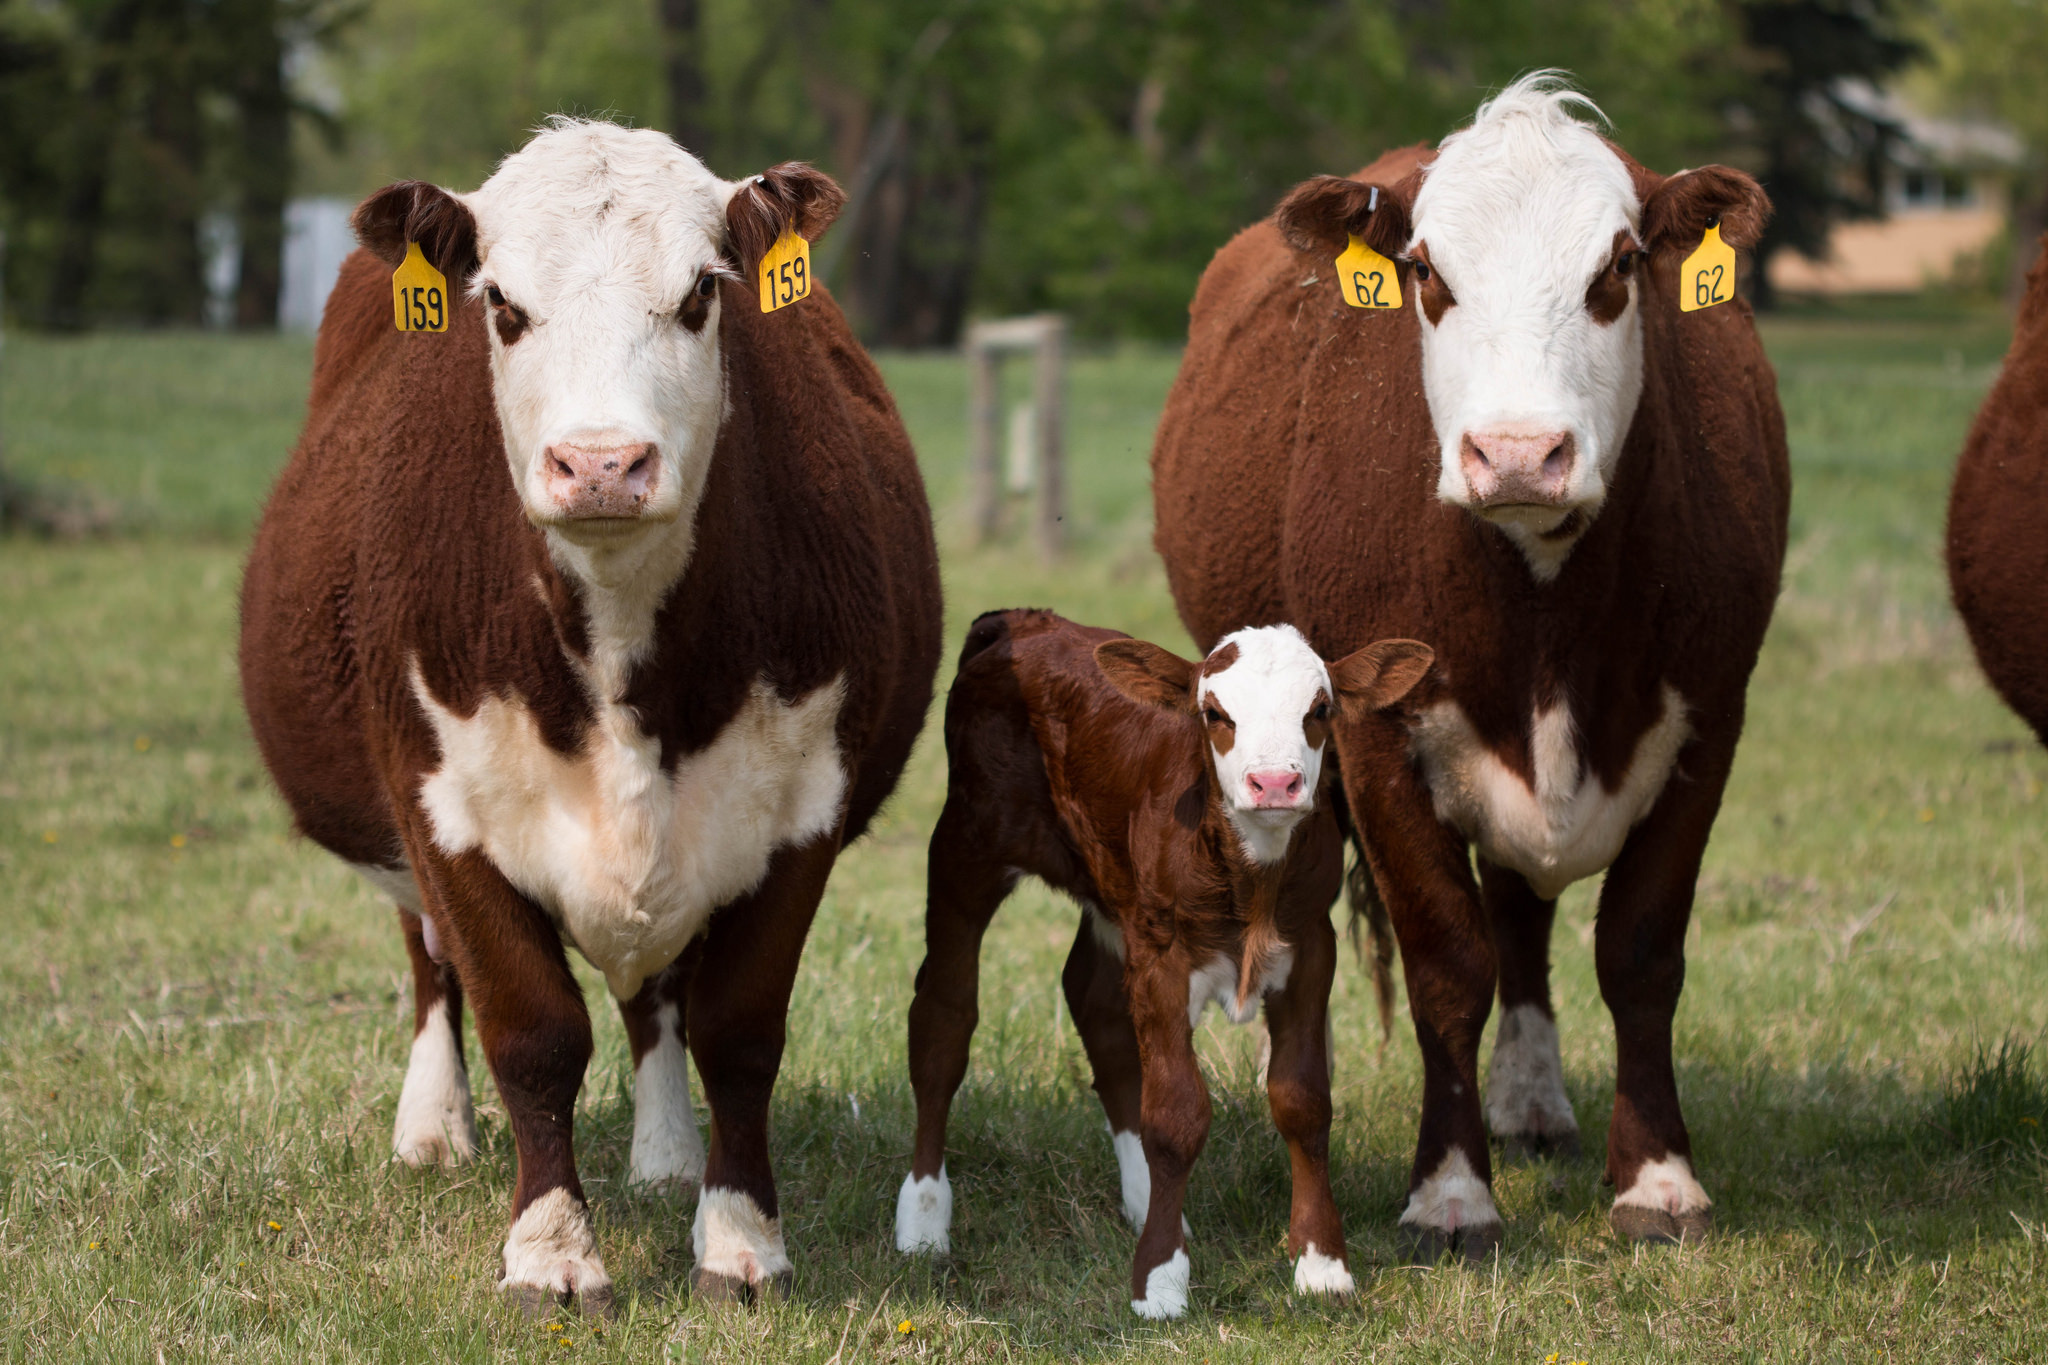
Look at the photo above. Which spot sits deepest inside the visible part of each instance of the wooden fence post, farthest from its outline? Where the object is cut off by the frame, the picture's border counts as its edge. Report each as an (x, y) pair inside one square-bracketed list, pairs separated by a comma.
[(986, 344)]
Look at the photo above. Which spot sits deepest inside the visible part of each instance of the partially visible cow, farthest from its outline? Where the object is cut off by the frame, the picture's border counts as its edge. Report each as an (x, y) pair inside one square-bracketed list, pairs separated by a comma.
[(1997, 548), (602, 620), (1183, 805), (1578, 495)]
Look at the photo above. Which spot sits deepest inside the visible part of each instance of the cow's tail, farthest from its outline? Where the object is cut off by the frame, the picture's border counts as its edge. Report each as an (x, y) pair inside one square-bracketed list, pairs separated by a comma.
[(1368, 909)]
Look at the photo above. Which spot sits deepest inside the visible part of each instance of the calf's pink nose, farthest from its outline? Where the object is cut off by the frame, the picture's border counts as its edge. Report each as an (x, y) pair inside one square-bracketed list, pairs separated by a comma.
[(601, 481), (1274, 788), (1518, 467)]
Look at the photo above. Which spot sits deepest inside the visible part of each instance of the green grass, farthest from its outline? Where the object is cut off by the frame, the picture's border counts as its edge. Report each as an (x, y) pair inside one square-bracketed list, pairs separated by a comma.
[(205, 1020)]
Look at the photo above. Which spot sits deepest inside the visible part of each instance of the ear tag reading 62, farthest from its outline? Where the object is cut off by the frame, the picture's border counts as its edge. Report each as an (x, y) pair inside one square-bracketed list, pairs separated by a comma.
[(1708, 275), (419, 293), (786, 271), (1367, 279)]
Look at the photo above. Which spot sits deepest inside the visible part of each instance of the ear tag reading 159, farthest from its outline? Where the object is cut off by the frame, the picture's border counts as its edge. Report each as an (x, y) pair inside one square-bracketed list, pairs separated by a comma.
[(419, 293), (1367, 279), (785, 271), (1708, 275)]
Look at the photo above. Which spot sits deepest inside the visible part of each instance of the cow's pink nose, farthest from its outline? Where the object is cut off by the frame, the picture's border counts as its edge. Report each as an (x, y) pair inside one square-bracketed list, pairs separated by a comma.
[(1275, 789), (602, 481), (1517, 467)]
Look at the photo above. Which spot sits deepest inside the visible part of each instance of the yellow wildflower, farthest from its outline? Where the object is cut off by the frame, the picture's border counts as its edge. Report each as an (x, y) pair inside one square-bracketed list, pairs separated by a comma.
[(142, 744), (49, 836), (905, 1328), (276, 1226), (177, 841)]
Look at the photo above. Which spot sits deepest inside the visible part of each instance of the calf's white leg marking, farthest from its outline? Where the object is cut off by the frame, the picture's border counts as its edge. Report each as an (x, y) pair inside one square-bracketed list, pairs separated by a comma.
[(1166, 1289), (924, 1214), (1316, 1273), (553, 1247), (436, 1124), (1134, 1173), (1525, 1080), (1666, 1185), (667, 1150), (733, 1238), (1452, 1198)]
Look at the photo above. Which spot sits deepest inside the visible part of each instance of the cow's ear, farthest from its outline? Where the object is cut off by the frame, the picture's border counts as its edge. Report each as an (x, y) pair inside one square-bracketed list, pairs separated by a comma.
[(1677, 211), (762, 206), (1147, 674), (1320, 216), (414, 211), (1379, 675)]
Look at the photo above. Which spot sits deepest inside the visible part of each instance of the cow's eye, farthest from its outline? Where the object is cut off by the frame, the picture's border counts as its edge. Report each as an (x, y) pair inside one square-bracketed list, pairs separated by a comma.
[(495, 295), (1422, 271), (1625, 263), (1213, 716), (707, 285), (1322, 711)]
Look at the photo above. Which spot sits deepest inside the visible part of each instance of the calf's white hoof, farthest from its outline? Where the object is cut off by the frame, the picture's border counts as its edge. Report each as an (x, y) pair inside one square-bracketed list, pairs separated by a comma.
[(1316, 1273), (924, 1214), (1166, 1289)]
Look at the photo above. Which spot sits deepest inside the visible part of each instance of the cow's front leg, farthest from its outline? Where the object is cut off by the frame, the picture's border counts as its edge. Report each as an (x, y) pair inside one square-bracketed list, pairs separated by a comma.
[(737, 1021), (1173, 1125), (668, 1154), (535, 1033), (1424, 871), (1526, 1106), (1298, 1087), (436, 1123), (1639, 951)]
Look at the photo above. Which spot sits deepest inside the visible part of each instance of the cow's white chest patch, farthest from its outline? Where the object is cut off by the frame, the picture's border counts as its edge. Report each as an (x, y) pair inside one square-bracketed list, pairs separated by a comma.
[(1568, 824), (631, 861)]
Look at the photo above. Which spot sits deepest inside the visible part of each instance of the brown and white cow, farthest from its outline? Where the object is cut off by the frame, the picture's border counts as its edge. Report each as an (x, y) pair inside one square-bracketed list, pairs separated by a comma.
[(1183, 805), (603, 619), (1997, 551), (1578, 496)]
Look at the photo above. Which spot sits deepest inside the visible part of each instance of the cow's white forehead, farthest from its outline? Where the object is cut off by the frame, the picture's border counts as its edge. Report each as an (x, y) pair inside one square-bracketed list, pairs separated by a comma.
[(587, 202), (1526, 184), (1276, 674)]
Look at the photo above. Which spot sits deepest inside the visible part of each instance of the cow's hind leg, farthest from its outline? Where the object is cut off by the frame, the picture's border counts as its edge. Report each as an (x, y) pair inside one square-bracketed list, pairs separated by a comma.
[(1298, 1088), (668, 1153), (1526, 1105), (436, 1123), (736, 1025), (965, 883)]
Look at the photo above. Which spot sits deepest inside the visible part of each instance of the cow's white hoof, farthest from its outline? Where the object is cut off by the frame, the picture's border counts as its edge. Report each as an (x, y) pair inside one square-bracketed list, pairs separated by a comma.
[(1664, 1204), (1526, 1106), (1166, 1289), (1451, 1210), (668, 1152), (436, 1124), (924, 1214), (736, 1243), (551, 1256)]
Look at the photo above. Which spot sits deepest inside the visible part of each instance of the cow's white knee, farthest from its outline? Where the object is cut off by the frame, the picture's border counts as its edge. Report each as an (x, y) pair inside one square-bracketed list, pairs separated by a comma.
[(1134, 1174), (924, 1214), (1166, 1289), (1667, 1185), (667, 1150), (1452, 1197), (1525, 1080), (553, 1247), (1316, 1273), (733, 1238), (436, 1124)]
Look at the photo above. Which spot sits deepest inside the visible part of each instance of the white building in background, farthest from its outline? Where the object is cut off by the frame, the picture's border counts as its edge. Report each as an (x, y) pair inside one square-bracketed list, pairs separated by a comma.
[(317, 239), (1947, 197)]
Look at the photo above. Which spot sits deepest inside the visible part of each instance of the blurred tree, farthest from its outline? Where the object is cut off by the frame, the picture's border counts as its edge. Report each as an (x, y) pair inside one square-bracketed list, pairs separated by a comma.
[(1991, 60)]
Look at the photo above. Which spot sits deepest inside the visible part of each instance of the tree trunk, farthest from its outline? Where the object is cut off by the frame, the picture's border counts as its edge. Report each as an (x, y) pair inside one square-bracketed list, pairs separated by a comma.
[(683, 37), (85, 190), (264, 164)]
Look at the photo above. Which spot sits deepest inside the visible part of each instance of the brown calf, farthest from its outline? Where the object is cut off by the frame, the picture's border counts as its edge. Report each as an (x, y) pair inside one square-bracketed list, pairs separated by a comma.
[(1577, 493), (1997, 544), (1183, 806), (601, 620)]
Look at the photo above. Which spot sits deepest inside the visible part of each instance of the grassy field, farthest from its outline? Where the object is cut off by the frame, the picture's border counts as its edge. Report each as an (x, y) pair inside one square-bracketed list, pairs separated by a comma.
[(205, 1021)]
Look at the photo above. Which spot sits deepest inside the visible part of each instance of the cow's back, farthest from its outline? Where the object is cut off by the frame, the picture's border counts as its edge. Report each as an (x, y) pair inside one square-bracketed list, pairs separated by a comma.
[(1997, 547)]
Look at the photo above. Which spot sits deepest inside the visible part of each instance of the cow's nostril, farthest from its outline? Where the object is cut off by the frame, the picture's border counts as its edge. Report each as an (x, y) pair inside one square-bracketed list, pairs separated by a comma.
[(559, 467), (636, 467)]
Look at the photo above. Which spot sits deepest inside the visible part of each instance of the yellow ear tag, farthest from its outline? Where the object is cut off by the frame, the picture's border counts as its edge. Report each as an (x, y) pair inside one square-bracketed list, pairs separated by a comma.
[(419, 294), (785, 271), (1708, 275), (1367, 279)]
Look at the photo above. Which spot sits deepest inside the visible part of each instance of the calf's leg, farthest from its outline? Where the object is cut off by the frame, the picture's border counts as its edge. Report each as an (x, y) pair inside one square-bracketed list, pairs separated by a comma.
[(1173, 1123), (965, 883), (1298, 1088), (736, 1024), (1526, 1106), (436, 1123), (1093, 982), (668, 1154)]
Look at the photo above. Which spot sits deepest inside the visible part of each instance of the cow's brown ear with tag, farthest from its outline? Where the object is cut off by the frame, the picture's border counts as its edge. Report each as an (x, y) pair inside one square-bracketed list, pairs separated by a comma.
[(1320, 216), (1377, 676), (763, 207), (1147, 674), (415, 211), (1676, 213)]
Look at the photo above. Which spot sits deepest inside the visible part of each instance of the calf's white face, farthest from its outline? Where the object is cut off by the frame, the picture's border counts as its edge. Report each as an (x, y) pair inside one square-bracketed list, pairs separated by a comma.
[(1526, 250)]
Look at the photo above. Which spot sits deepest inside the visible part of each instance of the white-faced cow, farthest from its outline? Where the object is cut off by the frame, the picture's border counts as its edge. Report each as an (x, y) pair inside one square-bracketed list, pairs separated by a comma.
[(1183, 805), (602, 619), (1577, 494), (1997, 545)]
